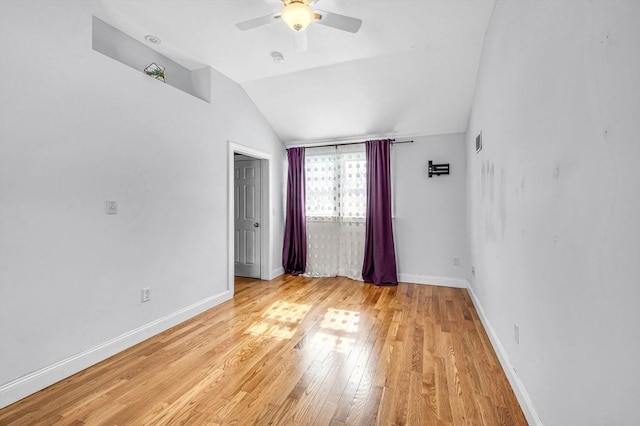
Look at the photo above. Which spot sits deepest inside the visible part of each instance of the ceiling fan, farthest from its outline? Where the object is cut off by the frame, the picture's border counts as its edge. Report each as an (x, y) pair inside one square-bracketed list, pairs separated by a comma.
[(298, 15)]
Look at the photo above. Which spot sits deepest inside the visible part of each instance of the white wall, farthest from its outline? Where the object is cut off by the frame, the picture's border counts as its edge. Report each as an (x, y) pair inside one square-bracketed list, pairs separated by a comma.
[(430, 213), (554, 203), (78, 128)]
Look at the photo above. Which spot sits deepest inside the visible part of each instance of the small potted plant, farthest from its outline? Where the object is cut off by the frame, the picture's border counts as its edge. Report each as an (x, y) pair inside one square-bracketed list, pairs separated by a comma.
[(155, 71)]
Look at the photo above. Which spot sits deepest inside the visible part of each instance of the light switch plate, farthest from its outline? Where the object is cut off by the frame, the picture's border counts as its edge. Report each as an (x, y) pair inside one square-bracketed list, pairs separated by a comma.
[(111, 207)]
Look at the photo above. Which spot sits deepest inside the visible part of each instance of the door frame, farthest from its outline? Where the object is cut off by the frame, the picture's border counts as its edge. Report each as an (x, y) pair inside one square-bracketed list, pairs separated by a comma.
[(265, 192)]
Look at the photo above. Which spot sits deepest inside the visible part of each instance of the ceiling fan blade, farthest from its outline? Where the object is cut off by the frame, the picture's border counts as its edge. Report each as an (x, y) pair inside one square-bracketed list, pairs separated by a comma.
[(258, 22), (341, 22), (300, 44)]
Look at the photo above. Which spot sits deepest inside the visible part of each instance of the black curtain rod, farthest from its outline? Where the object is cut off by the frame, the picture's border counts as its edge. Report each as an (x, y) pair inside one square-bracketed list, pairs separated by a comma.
[(393, 142)]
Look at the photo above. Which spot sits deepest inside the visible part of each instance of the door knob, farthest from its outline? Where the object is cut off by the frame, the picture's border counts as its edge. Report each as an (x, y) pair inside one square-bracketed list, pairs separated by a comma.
[(255, 225)]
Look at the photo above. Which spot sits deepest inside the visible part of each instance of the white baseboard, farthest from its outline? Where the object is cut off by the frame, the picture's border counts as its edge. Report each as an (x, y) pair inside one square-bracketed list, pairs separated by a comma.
[(431, 280), (40, 379), (516, 384), (276, 272)]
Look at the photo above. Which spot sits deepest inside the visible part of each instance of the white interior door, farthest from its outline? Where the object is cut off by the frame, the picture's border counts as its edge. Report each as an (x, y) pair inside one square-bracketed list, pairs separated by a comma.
[(247, 221)]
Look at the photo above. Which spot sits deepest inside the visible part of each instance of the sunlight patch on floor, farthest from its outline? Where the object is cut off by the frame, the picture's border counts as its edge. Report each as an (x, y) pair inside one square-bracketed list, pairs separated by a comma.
[(280, 320), (335, 326), (333, 342), (341, 320)]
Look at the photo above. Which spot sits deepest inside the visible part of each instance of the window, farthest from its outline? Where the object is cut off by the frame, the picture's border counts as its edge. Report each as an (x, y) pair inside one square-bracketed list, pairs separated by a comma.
[(336, 183), (336, 203)]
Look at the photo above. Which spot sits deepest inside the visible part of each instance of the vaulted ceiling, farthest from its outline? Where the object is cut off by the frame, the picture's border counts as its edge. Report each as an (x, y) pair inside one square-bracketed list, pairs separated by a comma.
[(410, 70)]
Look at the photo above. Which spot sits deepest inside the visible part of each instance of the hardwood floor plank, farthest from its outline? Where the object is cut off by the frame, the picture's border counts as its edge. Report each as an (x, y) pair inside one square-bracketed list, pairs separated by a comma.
[(386, 412), (297, 351), (443, 400), (370, 410), (415, 406)]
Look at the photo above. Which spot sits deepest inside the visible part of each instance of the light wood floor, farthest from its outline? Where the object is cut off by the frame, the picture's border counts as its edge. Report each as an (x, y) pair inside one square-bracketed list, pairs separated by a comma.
[(297, 351)]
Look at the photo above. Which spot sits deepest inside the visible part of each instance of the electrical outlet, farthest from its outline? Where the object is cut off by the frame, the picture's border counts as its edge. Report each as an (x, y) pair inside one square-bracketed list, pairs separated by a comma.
[(146, 294), (516, 332), (456, 261)]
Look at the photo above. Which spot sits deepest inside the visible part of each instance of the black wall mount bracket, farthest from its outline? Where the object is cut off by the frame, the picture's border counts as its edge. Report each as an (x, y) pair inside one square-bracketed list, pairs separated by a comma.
[(438, 169)]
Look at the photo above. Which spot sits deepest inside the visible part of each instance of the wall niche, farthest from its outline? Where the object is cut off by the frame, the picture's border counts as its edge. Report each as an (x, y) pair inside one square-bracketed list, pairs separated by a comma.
[(117, 45)]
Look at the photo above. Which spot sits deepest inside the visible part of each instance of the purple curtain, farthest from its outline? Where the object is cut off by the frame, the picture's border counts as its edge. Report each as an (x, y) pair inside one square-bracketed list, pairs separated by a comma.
[(379, 252), (294, 251)]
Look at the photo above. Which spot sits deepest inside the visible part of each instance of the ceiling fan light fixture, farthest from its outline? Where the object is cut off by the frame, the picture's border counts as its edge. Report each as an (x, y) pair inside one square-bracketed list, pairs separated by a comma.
[(297, 15)]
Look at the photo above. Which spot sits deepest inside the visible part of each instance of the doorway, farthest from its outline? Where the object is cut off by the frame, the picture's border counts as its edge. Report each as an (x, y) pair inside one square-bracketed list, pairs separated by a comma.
[(257, 255), (247, 216)]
